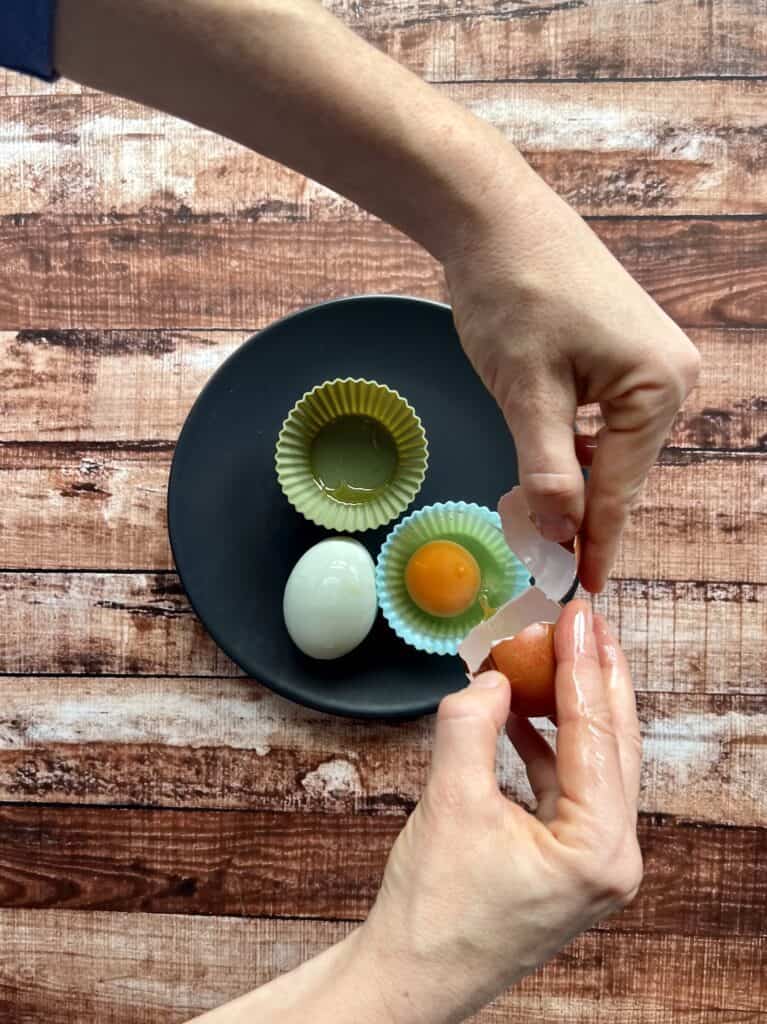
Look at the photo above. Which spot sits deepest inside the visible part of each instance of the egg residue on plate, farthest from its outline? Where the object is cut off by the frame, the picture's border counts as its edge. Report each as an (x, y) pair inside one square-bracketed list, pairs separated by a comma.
[(329, 603)]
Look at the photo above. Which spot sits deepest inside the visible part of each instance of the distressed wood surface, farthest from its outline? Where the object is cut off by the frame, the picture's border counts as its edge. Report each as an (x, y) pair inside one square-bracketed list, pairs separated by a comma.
[(612, 148), (701, 881), (702, 515), (688, 636), (61, 966), (683, 637), (184, 270), (138, 385), (572, 39), (230, 744), (163, 818)]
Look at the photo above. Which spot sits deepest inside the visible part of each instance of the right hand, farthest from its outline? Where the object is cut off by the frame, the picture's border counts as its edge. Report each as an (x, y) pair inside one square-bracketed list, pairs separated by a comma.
[(478, 892)]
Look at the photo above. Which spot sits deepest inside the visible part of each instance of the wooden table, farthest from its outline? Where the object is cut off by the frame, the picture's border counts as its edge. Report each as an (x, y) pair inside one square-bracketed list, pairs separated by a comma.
[(172, 834)]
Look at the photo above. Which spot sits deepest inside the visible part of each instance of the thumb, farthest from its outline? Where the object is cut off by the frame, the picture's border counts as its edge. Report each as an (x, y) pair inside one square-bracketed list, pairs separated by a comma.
[(468, 724), (549, 471)]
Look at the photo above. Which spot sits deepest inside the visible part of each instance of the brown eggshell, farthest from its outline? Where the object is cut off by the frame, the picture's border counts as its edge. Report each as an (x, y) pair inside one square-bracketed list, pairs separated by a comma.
[(529, 663)]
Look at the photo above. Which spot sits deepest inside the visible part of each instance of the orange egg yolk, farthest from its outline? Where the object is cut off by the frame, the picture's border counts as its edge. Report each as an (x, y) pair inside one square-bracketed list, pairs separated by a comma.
[(443, 578)]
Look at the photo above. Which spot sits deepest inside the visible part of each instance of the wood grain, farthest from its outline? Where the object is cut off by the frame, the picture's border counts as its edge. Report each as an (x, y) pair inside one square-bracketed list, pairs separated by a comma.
[(137, 252), (229, 743), (611, 148), (139, 385), (102, 506), (189, 271), (587, 39), (81, 385), (680, 636), (61, 966), (702, 881)]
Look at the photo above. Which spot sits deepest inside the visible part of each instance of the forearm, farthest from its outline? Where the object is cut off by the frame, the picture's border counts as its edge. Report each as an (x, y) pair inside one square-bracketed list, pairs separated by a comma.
[(337, 987), (289, 80)]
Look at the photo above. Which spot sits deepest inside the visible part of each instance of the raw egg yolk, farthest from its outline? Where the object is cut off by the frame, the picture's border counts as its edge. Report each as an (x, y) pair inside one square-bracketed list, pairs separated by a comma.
[(529, 663), (443, 578)]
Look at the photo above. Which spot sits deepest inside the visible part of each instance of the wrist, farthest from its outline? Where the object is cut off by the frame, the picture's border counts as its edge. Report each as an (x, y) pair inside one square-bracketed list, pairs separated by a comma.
[(473, 180), (422, 977)]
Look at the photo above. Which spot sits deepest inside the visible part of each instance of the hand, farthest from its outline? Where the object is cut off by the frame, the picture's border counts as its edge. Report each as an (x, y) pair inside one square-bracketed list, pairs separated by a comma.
[(478, 892), (550, 321)]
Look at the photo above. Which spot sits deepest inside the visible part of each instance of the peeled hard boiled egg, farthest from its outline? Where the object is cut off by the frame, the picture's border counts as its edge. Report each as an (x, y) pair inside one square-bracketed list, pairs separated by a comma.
[(330, 598)]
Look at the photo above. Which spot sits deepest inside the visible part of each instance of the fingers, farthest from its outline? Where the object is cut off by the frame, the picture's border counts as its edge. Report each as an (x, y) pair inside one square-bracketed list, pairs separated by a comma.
[(588, 761), (619, 466), (540, 764), (549, 471), (620, 695), (468, 723)]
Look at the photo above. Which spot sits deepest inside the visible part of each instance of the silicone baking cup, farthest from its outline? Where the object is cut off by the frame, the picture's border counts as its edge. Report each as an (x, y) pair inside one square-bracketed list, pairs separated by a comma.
[(478, 529), (344, 508)]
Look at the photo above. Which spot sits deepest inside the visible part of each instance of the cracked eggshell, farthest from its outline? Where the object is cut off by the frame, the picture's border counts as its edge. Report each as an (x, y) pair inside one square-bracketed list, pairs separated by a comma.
[(553, 567)]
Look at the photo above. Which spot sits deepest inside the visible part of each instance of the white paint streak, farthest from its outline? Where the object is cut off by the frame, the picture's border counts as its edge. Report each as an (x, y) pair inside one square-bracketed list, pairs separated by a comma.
[(556, 124), (188, 719), (333, 780)]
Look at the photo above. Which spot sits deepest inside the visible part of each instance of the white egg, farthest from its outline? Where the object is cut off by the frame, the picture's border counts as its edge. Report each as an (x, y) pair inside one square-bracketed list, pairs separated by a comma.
[(330, 598)]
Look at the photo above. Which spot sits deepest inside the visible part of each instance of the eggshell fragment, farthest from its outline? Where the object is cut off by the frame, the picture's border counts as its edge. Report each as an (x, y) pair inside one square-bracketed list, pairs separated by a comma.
[(510, 619), (552, 567)]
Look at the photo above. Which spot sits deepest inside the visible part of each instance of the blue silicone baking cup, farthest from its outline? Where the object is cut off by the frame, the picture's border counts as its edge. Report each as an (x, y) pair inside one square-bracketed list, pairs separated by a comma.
[(476, 528)]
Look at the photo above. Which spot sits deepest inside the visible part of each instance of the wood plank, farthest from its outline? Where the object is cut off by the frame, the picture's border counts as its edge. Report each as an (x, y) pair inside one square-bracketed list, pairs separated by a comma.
[(100, 623), (104, 507), (96, 507), (162, 969), (218, 743), (584, 40), (70, 506), (680, 636), (612, 148), (701, 881), (171, 271), (81, 385), (683, 636), (139, 385)]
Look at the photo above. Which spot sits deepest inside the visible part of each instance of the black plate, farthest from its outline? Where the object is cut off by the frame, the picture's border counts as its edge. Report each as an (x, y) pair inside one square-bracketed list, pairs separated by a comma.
[(234, 536)]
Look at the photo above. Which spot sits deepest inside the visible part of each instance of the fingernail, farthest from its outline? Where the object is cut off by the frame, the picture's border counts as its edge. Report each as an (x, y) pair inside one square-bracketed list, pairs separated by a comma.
[(583, 631), (555, 528), (487, 680)]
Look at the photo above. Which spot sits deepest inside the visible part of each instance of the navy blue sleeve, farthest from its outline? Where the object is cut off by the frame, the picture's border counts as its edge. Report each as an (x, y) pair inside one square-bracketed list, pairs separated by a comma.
[(26, 36)]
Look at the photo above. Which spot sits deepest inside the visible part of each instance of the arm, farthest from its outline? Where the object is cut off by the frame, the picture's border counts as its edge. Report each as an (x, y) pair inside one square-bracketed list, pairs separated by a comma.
[(289, 80), (547, 317)]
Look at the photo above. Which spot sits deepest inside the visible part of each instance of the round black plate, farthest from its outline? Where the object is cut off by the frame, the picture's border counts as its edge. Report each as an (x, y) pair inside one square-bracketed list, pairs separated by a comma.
[(234, 536)]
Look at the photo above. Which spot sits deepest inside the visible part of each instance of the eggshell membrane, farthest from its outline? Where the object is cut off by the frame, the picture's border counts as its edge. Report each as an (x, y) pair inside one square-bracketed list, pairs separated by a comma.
[(553, 567)]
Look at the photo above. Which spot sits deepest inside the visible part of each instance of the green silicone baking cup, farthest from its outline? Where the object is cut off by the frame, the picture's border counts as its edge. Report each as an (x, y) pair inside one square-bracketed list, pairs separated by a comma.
[(342, 400), (475, 527)]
